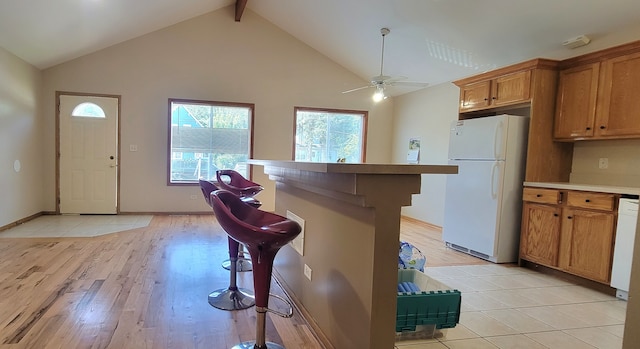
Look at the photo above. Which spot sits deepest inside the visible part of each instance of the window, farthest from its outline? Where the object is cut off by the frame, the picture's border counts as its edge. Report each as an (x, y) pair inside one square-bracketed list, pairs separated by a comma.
[(206, 136), (88, 110), (325, 135)]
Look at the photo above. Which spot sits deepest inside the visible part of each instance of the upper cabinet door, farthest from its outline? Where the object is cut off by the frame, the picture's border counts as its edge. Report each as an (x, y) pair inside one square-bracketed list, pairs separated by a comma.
[(511, 88), (576, 102), (618, 112), (475, 96)]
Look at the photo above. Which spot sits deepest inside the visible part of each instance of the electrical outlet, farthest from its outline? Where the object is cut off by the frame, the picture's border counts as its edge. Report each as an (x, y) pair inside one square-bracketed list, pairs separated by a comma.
[(307, 272), (133, 147), (603, 163), (194, 197)]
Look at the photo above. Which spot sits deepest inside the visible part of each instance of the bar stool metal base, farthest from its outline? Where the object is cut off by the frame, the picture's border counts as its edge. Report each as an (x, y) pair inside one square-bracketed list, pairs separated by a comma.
[(251, 345), (228, 299), (243, 264)]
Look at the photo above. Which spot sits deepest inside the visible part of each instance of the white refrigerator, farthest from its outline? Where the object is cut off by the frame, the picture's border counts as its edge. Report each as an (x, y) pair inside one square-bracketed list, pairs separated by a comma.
[(483, 202)]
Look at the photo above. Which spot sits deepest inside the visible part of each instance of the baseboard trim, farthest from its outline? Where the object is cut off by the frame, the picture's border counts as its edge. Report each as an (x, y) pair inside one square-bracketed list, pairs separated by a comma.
[(315, 328), (24, 220), (194, 213), (594, 285)]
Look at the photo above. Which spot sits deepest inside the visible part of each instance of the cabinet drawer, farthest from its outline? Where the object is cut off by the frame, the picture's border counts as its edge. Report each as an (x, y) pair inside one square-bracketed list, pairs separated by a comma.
[(594, 201), (544, 196)]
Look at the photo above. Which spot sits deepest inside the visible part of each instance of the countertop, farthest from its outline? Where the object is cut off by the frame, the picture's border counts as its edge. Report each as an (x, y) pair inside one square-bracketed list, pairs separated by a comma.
[(366, 168), (585, 187)]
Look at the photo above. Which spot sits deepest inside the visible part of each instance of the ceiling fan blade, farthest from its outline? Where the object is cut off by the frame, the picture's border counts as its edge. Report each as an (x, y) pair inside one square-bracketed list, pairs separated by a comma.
[(394, 79), (380, 82), (409, 83), (356, 89)]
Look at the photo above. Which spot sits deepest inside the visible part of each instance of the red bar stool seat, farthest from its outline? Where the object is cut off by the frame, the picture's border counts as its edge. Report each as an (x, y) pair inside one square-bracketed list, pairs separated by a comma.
[(263, 234), (232, 297), (234, 182)]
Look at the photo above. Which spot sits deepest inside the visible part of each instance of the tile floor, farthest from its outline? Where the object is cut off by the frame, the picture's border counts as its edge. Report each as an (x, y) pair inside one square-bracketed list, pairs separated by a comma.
[(76, 226), (510, 307)]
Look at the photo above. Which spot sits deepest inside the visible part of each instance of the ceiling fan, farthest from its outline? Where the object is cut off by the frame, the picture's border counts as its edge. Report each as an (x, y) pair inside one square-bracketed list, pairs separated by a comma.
[(380, 82)]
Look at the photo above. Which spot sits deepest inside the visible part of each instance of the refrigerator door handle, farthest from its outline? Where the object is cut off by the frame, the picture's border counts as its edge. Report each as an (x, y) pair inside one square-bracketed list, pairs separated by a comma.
[(494, 179)]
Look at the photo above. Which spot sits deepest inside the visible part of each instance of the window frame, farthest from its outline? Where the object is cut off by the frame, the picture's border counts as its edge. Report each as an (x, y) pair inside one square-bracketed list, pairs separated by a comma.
[(169, 155), (365, 122)]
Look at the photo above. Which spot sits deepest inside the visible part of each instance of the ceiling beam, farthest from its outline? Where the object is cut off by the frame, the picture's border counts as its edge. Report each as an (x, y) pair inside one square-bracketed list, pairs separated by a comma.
[(240, 5)]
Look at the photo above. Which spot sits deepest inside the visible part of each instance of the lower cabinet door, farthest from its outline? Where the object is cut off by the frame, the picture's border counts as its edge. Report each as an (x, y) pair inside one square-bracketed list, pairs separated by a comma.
[(586, 244), (539, 240)]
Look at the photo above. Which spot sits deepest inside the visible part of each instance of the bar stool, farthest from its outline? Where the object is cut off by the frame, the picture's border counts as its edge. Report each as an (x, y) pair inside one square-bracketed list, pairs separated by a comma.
[(232, 297), (264, 234), (234, 182), (243, 263)]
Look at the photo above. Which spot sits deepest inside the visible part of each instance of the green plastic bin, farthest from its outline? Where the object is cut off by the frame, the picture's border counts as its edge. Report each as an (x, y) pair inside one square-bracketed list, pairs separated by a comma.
[(436, 305)]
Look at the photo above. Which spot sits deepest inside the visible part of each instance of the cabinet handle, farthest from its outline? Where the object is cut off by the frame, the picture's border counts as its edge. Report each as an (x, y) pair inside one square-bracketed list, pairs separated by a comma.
[(538, 195), (587, 200), (486, 99), (569, 217), (555, 215), (603, 127), (560, 198), (494, 98), (588, 128)]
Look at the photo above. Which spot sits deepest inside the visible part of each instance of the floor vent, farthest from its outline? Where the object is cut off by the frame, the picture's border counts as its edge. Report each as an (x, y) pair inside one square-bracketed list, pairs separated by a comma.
[(468, 251)]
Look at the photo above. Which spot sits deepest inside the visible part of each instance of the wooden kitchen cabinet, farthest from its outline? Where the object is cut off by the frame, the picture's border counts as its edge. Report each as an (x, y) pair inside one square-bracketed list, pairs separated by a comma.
[(529, 89), (618, 110), (600, 100), (576, 102), (586, 243), (572, 231), (540, 237), (495, 92)]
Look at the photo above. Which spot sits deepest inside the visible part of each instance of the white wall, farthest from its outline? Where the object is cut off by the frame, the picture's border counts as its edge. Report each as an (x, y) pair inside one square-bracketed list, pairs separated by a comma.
[(426, 114), (210, 57), (20, 139)]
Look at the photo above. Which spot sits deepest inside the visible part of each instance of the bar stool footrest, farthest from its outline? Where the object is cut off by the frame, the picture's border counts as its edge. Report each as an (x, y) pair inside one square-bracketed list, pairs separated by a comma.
[(287, 315)]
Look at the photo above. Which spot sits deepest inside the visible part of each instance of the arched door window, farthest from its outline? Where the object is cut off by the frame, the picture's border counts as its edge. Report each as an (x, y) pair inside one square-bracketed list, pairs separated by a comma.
[(88, 110)]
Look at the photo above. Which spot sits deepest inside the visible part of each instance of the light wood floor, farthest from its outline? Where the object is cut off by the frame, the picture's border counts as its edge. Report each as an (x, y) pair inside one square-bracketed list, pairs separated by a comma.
[(428, 239), (145, 288)]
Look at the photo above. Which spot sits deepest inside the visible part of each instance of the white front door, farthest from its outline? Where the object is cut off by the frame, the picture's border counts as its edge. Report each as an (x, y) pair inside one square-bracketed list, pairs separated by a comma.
[(88, 154)]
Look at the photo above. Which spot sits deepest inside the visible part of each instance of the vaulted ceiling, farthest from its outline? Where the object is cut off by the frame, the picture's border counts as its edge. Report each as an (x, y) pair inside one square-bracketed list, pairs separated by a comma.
[(431, 40)]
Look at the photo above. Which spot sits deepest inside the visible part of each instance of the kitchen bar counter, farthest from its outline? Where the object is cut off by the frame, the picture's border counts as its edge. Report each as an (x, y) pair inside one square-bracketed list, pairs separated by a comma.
[(351, 233), (585, 187)]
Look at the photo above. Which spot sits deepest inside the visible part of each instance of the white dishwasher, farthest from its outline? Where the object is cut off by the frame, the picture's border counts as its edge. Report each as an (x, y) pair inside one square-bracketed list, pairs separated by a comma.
[(623, 251)]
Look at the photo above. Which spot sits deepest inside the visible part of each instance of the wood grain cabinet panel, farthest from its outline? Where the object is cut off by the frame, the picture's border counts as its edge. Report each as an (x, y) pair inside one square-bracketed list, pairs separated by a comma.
[(475, 96), (586, 244), (575, 235), (539, 241), (599, 100), (618, 112), (510, 89), (590, 200), (576, 102), (541, 195), (499, 91)]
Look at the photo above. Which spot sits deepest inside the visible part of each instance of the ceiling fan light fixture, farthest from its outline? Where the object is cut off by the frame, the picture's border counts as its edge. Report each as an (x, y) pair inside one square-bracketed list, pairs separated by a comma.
[(379, 94)]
